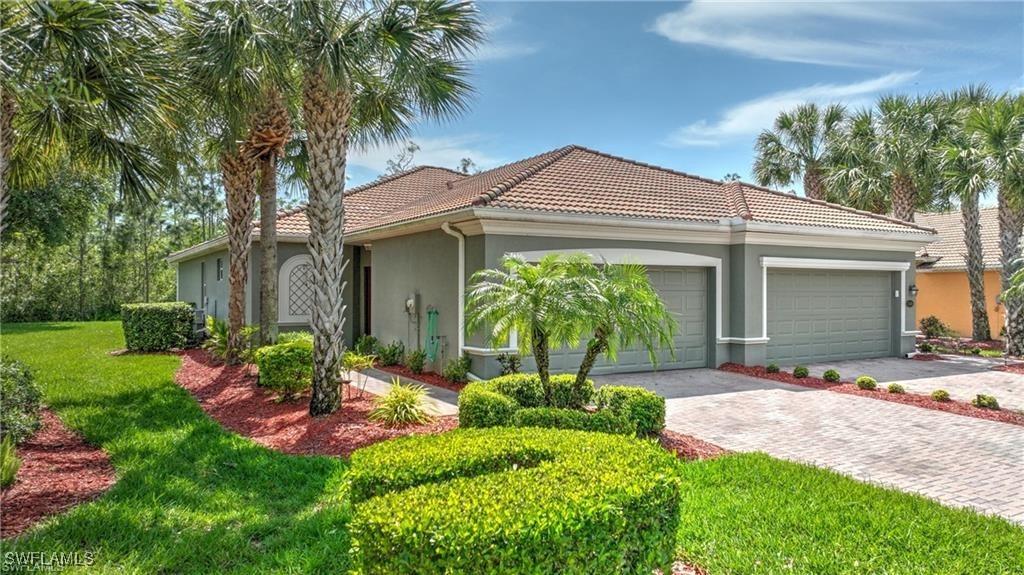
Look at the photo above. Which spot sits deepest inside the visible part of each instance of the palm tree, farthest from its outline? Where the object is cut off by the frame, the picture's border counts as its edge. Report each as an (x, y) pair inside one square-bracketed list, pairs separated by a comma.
[(368, 70), (544, 303), (964, 178), (999, 130), (798, 144), (886, 156), (628, 311), (86, 81)]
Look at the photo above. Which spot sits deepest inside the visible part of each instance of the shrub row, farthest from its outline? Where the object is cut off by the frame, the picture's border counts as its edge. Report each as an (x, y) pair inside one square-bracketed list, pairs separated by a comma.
[(286, 368), (157, 326), (20, 401), (514, 501), (558, 418)]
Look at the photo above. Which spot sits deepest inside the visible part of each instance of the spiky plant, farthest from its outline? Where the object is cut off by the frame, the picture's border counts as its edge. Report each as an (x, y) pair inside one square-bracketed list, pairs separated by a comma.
[(401, 406), (798, 145)]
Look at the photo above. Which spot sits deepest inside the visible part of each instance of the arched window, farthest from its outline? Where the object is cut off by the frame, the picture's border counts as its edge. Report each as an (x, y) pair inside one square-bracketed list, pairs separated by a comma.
[(295, 293)]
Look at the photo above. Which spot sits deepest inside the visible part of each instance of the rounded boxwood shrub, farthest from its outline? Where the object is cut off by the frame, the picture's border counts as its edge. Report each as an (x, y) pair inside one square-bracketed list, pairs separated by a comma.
[(286, 368), (157, 326), (985, 401), (293, 336), (866, 382), (644, 408), (525, 388), (896, 388), (830, 375), (481, 406), (940, 395), (558, 418), (514, 501), (20, 401), (772, 368), (566, 393), (801, 372)]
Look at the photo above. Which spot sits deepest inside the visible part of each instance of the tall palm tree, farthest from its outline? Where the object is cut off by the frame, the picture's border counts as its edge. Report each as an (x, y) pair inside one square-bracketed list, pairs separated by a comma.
[(964, 178), (87, 81), (545, 303), (628, 311), (368, 70), (798, 144), (999, 129), (885, 157)]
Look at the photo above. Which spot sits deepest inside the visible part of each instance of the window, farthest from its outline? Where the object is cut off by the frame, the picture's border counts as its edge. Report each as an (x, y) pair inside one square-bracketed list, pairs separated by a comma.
[(295, 292), (220, 269)]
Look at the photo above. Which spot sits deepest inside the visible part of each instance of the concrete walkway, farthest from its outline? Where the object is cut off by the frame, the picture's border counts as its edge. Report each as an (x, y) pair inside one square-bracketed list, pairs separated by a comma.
[(959, 461), (439, 401)]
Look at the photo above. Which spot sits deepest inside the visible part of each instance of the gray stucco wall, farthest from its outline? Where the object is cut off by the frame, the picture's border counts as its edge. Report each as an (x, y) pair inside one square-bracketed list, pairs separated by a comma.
[(190, 288)]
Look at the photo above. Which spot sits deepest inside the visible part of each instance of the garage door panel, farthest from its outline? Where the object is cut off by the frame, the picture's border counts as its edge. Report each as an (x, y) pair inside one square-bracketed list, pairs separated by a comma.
[(820, 315)]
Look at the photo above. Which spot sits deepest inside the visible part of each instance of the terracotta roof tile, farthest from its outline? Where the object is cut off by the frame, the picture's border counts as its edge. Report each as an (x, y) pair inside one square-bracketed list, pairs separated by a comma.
[(951, 248)]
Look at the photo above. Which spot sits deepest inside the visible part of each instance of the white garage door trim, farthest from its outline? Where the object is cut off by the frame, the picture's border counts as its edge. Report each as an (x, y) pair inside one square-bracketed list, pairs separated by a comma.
[(828, 264)]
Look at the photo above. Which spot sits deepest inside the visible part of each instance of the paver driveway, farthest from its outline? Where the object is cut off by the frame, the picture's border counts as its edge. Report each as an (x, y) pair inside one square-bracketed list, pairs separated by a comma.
[(960, 461)]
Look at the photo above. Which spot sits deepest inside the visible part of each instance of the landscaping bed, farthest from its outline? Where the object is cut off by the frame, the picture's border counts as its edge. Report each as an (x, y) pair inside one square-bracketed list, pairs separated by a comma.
[(1011, 368), (58, 470), (689, 447), (230, 395), (427, 377), (952, 406)]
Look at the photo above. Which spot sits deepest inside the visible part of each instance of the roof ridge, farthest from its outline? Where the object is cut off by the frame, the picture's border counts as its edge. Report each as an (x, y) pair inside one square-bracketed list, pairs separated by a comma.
[(734, 192), (646, 165), (544, 160), (840, 207)]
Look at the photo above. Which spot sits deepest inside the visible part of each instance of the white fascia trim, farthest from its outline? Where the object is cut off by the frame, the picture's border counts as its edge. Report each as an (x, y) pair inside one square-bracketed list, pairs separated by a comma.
[(488, 351), (752, 232), (649, 258), (199, 249)]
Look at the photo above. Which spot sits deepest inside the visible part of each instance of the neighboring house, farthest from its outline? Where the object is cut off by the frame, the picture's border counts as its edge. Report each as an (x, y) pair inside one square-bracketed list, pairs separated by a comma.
[(942, 272), (752, 275)]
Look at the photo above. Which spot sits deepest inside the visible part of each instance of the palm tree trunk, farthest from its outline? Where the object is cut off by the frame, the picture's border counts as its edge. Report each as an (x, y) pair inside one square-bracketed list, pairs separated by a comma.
[(904, 197), (542, 359), (595, 347), (237, 171), (1011, 220), (6, 144), (974, 257), (327, 112), (268, 250), (814, 184)]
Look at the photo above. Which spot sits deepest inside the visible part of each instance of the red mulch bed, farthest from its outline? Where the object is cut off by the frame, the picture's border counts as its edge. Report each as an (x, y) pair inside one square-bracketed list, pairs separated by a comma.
[(926, 357), (1011, 367), (965, 344), (230, 395), (58, 470), (427, 377), (688, 447), (925, 401)]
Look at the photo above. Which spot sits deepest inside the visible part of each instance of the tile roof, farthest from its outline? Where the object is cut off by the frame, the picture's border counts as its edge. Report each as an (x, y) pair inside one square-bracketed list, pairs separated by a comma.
[(949, 251), (578, 180)]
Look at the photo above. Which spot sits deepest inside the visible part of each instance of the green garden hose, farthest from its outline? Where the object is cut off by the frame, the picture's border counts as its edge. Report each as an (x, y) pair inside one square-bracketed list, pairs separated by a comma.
[(433, 342)]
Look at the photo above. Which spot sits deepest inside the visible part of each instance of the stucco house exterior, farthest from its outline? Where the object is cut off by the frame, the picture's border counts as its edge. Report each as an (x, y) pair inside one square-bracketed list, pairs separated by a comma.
[(942, 272), (752, 275)]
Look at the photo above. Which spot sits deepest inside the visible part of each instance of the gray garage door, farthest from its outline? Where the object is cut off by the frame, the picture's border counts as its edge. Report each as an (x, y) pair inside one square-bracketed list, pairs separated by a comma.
[(826, 315), (684, 291)]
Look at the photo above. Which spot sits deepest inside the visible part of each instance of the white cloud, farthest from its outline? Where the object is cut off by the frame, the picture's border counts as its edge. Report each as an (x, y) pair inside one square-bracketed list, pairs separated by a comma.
[(807, 32), (444, 152), (750, 117), (496, 48)]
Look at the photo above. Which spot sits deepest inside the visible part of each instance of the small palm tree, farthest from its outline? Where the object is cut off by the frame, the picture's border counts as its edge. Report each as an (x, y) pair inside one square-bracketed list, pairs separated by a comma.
[(628, 311), (545, 303), (798, 144)]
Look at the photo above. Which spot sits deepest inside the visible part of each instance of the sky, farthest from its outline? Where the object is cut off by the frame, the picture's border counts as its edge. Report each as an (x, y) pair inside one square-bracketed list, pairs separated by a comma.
[(689, 86)]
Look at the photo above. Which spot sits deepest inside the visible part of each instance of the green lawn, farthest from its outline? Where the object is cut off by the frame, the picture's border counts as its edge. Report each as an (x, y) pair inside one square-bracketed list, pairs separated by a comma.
[(192, 498)]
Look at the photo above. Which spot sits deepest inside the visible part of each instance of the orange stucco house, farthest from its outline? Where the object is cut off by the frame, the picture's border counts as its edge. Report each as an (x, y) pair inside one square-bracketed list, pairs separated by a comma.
[(942, 276)]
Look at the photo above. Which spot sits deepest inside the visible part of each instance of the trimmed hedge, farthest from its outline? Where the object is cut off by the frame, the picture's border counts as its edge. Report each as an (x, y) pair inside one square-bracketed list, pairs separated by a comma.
[(644, 408), (525, 388), (480, 406), (566, 394), (286, 368), (20, 401), (560, 418), (157, 326), (514, 501)]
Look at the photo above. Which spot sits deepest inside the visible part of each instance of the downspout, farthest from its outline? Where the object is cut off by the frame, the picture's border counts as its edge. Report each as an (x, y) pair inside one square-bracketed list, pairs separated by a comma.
[(448, 229)]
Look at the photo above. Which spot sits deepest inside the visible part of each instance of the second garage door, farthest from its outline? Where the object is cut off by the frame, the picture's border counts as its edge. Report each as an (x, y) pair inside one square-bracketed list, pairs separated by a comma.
[(684, 291), (828, 315)]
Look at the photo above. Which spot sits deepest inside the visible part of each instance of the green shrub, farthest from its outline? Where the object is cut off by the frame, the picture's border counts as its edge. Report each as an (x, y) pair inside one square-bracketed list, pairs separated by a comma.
[(9, 462), (525, 388), (20, 401), (457, 370), (985, 401), (293, 336), (366, 345), (932, 327), (566, 393), (896, 388), (559, 418), (801, 372), (416, 360), (975, 351), (157, 326), (479, 406), (644, 408), (866, 382), (286, 368), (509, 362), (830, 375), (940, 395), (217, 339), (772, 368), (391, 354), (401, 406), (926, 347), (514, 501)]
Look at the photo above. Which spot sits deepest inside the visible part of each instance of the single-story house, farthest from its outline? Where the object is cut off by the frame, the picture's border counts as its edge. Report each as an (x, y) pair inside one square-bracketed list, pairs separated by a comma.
[(942, 272), (752, 275)]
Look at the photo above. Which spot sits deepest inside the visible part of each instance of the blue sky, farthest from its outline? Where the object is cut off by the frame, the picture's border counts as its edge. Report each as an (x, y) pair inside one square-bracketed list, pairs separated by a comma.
[(689, 86)]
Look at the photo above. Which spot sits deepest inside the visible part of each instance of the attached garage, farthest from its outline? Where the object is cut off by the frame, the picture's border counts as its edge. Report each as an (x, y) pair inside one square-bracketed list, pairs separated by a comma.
[(685, 292), (818, 315)]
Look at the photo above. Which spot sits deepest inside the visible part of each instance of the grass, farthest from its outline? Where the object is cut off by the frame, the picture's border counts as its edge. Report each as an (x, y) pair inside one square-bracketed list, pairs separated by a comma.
[(193, 498)]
